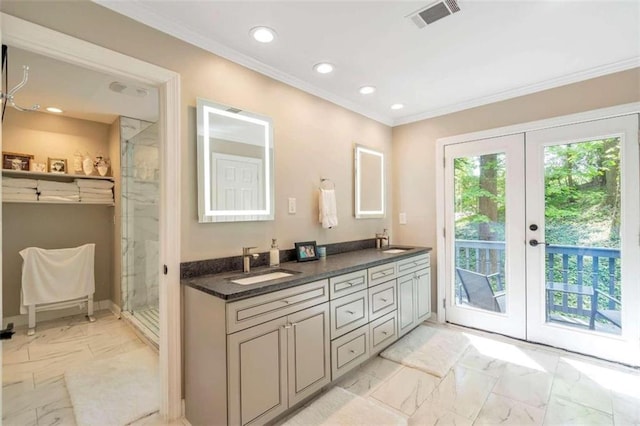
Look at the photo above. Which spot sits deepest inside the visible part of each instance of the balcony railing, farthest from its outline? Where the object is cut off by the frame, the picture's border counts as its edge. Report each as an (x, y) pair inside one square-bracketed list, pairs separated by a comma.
[(577, 266)]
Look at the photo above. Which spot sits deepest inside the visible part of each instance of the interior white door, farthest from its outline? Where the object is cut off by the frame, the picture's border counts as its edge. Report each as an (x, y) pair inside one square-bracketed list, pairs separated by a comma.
[(484, 234), (582, 209), (237, 182)]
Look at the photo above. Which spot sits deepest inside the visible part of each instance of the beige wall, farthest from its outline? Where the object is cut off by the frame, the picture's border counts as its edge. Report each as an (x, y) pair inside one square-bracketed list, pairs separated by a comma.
[(47, 135), (313, 138), (50, 225), (414, 145)]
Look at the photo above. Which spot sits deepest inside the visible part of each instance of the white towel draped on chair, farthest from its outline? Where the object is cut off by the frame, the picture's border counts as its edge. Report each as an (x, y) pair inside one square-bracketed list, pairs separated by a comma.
[(57, 275)]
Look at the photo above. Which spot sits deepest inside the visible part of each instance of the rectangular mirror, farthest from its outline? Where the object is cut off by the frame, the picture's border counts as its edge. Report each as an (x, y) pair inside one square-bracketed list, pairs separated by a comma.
[(235, 164), (369, 183)]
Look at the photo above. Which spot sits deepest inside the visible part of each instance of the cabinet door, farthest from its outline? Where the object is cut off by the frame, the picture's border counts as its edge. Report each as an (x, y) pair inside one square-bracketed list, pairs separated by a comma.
[(423, 294), (406, 304), (308, 352), (257, 373)]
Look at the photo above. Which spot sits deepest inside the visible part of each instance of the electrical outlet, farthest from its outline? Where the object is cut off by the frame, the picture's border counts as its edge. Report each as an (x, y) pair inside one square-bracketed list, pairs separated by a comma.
[(292, 206), (403, 218)]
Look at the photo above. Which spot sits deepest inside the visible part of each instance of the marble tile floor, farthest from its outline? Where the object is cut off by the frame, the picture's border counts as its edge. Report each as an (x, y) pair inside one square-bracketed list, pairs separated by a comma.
[(33, 385), (498, 380)]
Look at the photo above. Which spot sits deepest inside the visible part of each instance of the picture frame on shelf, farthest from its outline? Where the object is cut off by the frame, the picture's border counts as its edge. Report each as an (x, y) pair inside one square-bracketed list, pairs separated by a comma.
[(306, 251), (57, 165), (15, 161)]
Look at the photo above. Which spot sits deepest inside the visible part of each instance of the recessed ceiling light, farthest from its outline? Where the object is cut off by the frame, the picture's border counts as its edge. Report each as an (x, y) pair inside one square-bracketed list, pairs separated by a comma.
[(54, 109), (367, 90), (323, 67), (263, 34), (397, 106)]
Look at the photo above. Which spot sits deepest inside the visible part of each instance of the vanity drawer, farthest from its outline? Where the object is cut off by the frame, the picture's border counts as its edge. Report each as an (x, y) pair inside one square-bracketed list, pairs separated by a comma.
[(383, 331), (349, 313), (381, 273), (347, 284), (382, 299), (412, 264), (256, 310), (349, 351)]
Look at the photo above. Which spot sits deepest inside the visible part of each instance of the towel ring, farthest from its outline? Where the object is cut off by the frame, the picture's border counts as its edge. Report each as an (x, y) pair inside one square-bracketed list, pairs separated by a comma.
[(327, 184)]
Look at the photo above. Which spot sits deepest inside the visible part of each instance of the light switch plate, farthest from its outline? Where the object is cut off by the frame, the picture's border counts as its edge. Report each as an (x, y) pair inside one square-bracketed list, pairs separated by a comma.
[(403, 218), (292, 206)]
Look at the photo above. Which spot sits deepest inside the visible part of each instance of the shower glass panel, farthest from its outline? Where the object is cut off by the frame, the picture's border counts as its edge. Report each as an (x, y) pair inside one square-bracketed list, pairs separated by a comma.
[(140, 223)]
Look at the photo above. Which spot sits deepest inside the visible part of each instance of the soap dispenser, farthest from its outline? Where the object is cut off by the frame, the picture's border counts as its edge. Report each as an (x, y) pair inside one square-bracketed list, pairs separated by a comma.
[(274, 253)]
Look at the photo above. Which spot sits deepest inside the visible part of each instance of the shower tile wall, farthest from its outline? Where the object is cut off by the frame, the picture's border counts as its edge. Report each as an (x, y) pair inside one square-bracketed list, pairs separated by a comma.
[(140, 214)]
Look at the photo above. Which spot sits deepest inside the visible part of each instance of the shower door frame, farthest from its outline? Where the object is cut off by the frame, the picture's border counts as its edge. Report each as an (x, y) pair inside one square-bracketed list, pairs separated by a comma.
[(38, 39)]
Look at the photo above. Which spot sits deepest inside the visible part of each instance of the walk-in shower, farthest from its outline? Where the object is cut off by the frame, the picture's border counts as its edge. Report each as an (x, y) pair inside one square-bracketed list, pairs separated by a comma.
[(140, 202)]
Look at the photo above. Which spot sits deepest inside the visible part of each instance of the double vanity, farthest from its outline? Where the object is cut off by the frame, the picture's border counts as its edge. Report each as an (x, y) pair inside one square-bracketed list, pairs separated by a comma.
[(257, 345)]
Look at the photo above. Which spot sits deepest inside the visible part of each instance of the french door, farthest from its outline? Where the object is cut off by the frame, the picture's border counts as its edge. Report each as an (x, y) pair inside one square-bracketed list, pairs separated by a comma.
[(543, 234)]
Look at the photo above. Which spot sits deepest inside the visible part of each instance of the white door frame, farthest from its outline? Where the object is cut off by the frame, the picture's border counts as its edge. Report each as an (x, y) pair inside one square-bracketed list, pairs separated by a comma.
[(581, 117), (35, 38)]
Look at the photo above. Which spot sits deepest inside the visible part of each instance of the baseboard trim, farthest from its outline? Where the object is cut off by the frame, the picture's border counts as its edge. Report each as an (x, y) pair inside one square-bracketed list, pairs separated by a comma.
[(20, 320)]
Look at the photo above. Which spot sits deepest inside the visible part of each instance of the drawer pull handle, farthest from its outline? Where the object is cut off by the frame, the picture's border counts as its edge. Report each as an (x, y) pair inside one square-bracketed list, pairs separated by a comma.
[(350, 312), (384, 300), (351, 351), (286, 302), (384, 333)]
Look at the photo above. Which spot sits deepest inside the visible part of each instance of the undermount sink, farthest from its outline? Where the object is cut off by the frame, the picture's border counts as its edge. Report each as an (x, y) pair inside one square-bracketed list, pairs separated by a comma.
[(262, 277), (395, 250)]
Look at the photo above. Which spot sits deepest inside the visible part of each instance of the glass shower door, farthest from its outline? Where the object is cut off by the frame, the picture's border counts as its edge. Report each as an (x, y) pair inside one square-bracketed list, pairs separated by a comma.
[(140, 227)]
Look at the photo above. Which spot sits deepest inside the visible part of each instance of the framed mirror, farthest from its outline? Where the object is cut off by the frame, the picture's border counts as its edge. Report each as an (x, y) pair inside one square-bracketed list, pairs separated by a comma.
[(235, 164), (369, 183)]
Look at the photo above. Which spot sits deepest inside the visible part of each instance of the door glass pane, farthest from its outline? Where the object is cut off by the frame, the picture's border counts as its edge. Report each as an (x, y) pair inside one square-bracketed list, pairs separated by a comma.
[(479, 209), (582, 228)]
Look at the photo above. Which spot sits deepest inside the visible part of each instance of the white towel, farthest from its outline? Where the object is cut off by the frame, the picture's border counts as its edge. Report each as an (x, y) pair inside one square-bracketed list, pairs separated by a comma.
[(17, 190), (96, 196), (92, 183), (328, 211), (49, 184), (60, 192), (20, 197), (85, 190), (50, 276), (19, 183), (63, 199)]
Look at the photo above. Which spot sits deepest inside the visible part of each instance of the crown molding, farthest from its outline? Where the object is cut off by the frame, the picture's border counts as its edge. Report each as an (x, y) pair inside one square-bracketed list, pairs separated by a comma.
[(564, 80), (138, 11)]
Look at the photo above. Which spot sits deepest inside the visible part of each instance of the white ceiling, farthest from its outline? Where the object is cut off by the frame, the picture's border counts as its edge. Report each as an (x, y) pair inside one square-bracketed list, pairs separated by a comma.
[(80, 92), (489, 51)]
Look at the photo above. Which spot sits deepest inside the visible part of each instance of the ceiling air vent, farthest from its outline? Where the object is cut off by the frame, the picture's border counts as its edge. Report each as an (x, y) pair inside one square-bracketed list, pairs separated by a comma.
[(434, 12)]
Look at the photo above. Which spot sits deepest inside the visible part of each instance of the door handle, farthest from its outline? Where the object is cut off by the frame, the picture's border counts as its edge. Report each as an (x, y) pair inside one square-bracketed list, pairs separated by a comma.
[(536, 243)]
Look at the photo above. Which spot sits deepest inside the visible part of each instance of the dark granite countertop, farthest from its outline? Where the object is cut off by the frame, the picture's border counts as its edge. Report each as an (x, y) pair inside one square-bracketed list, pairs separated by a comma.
[(220, 285)]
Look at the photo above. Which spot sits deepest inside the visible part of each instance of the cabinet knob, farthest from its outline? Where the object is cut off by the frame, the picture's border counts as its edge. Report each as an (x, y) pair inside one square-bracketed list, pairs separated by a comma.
[(384, 333), (351, 351), (350, 312), (384, 300)]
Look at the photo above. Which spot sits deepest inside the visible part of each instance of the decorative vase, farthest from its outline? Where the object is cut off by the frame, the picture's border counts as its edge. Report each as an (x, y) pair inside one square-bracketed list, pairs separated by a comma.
[(87, 165), (103, 167)]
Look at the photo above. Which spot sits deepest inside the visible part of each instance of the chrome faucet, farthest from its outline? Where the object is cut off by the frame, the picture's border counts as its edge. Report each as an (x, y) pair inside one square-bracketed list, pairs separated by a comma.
[(382, 237), (246, 259)]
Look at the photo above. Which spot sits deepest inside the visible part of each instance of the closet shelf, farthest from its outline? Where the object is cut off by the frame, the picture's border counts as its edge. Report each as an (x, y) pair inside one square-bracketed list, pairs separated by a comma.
[(50, 176)]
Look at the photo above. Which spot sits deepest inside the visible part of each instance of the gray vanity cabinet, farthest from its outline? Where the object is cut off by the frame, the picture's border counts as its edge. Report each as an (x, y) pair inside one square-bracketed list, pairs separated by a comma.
[(414, 292), (258, 373), (274, 365), (406, 305)]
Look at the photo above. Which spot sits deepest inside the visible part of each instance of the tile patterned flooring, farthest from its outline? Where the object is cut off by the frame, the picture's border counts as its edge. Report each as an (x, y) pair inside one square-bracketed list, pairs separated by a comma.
[(33, 386), (498, 380)]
